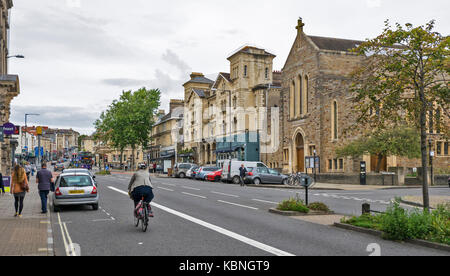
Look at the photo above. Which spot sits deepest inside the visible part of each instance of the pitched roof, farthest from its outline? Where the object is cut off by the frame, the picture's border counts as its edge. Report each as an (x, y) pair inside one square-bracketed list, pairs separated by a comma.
[(200, 79), (335, 44), (199, 92)]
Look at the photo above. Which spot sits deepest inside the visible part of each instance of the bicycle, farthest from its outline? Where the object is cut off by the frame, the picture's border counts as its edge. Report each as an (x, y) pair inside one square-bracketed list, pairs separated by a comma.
[(141, 213), (294, 179)]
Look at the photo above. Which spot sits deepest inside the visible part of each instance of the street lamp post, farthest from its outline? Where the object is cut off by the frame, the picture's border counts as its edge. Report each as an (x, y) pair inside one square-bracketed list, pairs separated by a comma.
[(26, 116)]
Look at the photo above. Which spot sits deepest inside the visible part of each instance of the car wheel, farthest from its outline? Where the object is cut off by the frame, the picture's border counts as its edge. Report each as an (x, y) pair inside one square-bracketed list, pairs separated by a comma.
[(236, 180), (56, 209), (217, 179), (285, 181), (95, 207), (256, 181), (182, 175)]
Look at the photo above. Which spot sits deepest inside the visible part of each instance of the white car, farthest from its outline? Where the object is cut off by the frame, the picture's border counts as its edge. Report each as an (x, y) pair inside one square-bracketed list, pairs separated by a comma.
[(75, 188)]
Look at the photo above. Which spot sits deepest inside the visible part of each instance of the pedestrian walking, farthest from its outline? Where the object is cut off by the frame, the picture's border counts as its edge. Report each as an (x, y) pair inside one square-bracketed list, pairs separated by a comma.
[(19, 187), (242, 174), (33, 169), (2, 186), (44, 178), (28, 170)]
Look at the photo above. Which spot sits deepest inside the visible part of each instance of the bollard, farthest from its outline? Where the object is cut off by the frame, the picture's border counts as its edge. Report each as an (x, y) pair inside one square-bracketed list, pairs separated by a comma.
[(366, 208)]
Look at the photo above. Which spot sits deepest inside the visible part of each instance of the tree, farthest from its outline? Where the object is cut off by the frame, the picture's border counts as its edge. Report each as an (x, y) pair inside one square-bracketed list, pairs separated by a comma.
[(129, 120), (405, 79), (401, 141)]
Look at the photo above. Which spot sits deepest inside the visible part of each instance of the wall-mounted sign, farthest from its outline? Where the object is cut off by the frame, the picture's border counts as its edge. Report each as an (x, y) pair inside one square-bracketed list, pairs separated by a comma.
[(8, 129)]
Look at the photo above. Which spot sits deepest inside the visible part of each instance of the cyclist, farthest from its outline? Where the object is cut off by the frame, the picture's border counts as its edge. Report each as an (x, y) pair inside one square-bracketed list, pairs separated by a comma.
[(141, 187)]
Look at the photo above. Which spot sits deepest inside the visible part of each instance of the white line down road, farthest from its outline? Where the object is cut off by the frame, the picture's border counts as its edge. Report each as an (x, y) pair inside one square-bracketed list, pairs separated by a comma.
[(264, 247)]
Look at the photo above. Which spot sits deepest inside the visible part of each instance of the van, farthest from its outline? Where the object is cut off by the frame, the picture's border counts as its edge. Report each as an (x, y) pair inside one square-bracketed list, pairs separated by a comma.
[(231, 173)]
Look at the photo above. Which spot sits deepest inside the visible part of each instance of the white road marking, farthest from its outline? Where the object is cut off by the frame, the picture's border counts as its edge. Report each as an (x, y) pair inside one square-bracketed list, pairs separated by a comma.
[(224, 194), (173, 185), (218, 229), (190, 188), (235, 204), (194, 195), (265, 201), (162, 188)]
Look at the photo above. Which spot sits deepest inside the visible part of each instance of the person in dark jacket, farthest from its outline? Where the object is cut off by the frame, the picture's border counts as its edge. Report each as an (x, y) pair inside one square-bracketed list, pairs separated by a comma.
[(44, 178), (2, 187), (242, 174)]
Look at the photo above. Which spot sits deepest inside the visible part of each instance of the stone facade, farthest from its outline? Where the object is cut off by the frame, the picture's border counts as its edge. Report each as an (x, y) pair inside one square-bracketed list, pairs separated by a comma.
[(9, 87), (317, 108), (227, 118)]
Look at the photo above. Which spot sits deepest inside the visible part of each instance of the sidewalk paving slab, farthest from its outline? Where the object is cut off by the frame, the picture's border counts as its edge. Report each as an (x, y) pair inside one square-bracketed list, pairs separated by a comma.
[(30, 235)]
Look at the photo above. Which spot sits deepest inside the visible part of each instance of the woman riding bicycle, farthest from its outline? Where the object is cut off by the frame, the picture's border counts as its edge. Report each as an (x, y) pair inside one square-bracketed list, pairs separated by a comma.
[(141, 187)]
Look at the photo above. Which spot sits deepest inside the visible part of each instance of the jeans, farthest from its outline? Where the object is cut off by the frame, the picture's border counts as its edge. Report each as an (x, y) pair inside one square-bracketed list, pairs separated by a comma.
[(142, 191), (44, 195)]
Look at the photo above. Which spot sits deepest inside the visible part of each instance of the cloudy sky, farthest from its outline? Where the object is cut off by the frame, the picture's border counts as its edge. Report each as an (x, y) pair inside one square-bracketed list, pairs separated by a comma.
[(81, 54)]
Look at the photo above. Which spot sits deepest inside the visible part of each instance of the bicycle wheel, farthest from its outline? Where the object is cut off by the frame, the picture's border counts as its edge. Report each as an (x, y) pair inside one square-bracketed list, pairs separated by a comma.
[(144, 219)]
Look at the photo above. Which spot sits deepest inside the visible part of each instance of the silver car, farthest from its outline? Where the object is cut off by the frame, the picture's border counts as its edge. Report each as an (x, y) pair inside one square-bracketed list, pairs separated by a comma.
[(261, 175), (75, 189)]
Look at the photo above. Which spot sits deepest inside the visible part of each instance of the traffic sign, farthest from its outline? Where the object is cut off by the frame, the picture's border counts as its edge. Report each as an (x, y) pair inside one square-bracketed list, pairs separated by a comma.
[(8, 129), (39, 130)]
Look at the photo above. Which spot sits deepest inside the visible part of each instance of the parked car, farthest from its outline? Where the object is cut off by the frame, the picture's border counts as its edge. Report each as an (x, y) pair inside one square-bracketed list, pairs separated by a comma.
[(190, 172), (201, 175), (59, 167), (231, 172), (194, 172), (75, 189), (80, 170), (180, 169), (142, 166), (265, 176), (214, 176)]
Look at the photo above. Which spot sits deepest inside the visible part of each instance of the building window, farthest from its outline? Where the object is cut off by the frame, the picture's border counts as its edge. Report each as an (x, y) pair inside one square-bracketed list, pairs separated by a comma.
[(267, 73), (245, 70), (330, 165), (446, 148), (286, 155), (335, 163), (305, 94), (341, 164), (300, 96), (334, 121), (293, 101), (439, 148)]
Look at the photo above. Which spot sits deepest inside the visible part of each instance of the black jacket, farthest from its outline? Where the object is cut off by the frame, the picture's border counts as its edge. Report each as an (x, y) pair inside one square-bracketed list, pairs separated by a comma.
[(242, 171)]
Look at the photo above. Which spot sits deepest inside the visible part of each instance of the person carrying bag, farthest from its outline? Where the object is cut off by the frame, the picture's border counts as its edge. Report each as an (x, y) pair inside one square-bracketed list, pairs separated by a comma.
[(19, 187)]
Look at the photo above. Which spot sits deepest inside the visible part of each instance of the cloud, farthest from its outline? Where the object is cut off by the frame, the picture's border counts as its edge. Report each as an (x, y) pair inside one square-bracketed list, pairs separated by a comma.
[(78, 118), (373, 3), (173, 59)]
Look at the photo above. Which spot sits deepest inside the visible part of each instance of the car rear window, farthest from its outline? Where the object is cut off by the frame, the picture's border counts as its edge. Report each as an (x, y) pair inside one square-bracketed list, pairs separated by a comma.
[(75, 181)]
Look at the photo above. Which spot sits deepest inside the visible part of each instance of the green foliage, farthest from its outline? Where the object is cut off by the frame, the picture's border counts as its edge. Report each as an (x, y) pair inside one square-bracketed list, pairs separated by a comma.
[(403, 78), (103, 173), (293, 204), (319, 206), (399, 224), (400, 141), (129, 120), (365, 221)]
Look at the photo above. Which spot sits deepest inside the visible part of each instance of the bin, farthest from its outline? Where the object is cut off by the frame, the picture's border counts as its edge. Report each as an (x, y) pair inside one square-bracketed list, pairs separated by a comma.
[(169, 172)]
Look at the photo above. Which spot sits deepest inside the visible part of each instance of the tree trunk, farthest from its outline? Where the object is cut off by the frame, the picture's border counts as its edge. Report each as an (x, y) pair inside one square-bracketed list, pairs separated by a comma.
[(121, 159), (379, 160)]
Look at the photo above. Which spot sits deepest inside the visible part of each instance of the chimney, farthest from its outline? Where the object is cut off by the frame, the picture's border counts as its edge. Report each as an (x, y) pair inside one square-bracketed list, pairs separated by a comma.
[(175, 103), (195, 75), (300, 25)]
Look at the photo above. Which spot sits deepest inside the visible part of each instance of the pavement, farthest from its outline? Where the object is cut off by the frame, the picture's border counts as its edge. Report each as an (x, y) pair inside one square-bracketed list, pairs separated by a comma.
[(418, 200), (30, 235)]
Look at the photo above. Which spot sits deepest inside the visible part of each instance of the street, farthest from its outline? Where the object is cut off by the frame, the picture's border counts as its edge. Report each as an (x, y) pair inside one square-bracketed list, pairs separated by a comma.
[(194, 218)]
